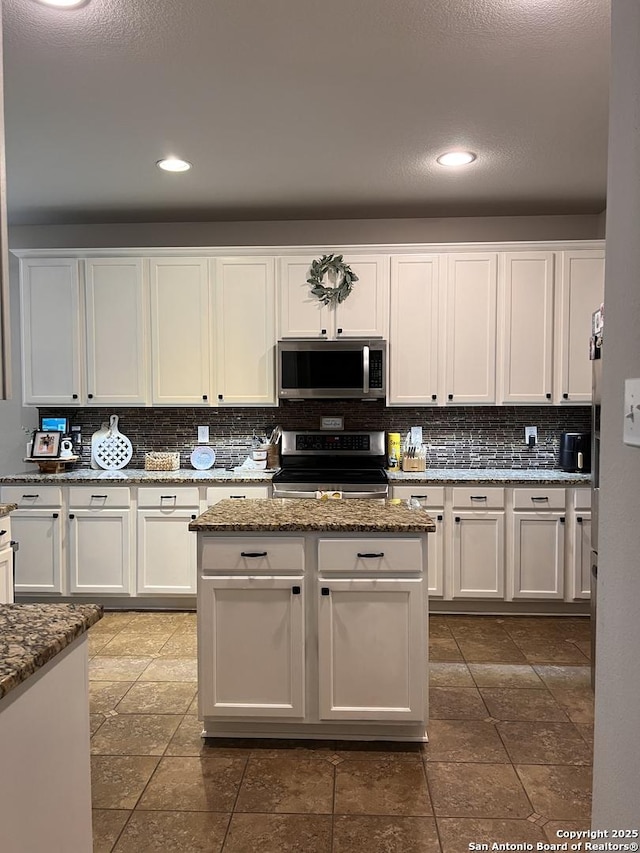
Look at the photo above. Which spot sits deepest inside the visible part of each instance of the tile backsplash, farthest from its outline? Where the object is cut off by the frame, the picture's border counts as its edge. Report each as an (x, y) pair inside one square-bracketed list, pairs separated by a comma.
[(457, 437)]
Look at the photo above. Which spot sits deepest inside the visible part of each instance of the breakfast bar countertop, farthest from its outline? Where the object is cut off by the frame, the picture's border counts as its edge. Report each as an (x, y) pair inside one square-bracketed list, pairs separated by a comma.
[(337, 516), (33, 634)]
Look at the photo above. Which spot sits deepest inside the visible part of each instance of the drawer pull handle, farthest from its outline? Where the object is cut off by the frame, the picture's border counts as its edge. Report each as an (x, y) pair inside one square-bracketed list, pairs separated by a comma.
[(371, 556), (253, 553), (543, 498), (237, 497), (31, 496), (325, 590), (477, 497), (99, 497), (296, 590), (579, 519), (168, 497), (420, 497)]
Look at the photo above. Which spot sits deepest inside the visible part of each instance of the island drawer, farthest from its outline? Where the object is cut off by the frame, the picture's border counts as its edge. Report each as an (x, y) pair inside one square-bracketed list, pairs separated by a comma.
[(370, 555), (252, 555), (168, 497), (478, 497), (427, 495), (32, 495), (540, 499), (97, 497), (238, 491)]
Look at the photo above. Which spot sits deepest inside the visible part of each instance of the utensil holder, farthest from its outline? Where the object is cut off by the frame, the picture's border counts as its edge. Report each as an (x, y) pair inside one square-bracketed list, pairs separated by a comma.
[(414, 463), (273, 457)]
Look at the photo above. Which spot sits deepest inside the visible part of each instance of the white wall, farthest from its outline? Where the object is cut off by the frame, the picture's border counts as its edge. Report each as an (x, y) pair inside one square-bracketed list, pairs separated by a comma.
[(616, 799)]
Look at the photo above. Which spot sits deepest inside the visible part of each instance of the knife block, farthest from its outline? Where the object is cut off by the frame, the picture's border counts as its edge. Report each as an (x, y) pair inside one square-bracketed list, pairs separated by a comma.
[(414, 463)]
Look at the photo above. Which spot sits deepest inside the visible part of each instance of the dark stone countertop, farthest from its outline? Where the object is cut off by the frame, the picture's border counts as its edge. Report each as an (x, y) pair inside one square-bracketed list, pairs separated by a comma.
[(5, 509), (32, 634)]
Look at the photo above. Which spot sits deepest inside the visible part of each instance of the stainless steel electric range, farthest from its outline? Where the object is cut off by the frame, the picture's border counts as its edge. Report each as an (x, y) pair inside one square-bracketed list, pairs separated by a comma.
[(314, 463)]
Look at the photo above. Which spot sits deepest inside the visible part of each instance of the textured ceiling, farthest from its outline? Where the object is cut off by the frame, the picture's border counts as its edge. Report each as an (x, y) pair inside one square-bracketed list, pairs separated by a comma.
[(304, 109)]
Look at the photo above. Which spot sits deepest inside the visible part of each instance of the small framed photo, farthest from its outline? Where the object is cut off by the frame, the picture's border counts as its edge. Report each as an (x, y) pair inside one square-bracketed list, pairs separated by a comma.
[(46, 444)]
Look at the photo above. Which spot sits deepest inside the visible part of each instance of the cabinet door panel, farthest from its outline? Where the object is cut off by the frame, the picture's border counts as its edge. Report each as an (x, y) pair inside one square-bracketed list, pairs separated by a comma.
[(251, 641), (579, 581), (302, 315), (39, 560), (581, 292), (371, 649), (478, 554), (471, 328), (180, 331), (99, 550), (365, 313), (167, 552), (526, 308), (6, 576), (50, 314), (115, 332), (414, 330), (538, 555), (245, 331)]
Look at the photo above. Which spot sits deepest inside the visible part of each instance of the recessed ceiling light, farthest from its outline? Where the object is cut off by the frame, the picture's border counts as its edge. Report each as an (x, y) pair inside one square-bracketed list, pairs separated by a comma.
[(63, 4), (456, 158), (173, 164)]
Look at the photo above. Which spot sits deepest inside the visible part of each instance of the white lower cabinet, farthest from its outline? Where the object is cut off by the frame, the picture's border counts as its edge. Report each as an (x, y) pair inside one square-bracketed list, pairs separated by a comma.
[(537, 554), (477, 554), (99, 546), (166, 551), (236, 492), (36, 526), (371, 649), (580, 563), (252, 646), (431, 498)]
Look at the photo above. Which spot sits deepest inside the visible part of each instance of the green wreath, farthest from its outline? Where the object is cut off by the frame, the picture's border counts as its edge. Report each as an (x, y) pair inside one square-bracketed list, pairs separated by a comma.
[(344, 275)]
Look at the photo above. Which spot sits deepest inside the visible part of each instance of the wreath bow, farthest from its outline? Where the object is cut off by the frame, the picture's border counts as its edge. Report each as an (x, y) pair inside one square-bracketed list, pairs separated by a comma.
[(344, 279)]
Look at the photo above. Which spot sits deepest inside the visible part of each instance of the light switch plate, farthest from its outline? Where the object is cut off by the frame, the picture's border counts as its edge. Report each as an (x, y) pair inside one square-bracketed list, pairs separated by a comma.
[(203, 434), (631, 430)]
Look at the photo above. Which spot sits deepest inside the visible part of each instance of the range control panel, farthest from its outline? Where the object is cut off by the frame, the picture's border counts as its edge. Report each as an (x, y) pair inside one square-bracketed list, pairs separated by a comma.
[(333, 442)]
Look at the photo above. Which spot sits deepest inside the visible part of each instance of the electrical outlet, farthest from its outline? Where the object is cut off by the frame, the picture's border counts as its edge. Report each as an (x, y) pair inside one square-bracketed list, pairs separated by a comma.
[(531, 436), (203, 434)]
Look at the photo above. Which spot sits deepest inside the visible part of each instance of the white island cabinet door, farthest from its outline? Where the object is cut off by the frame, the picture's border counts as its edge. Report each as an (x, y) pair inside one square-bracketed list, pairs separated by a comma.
[(245, 331), (116, 332), (370, 648), (180, 331), (50, 315), (251, 646)]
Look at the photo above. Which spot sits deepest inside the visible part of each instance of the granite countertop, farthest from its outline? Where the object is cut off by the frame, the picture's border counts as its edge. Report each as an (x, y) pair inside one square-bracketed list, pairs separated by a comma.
[(499, 476), (339, 516), (32, 634), (138, 476), (5, 509)]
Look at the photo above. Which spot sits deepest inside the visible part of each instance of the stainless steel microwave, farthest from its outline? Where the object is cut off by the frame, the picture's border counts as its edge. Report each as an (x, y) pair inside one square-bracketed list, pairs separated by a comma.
[(348, 369)]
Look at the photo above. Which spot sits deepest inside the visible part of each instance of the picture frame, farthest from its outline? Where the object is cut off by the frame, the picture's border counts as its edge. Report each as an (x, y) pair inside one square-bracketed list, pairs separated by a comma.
[(46, 444)]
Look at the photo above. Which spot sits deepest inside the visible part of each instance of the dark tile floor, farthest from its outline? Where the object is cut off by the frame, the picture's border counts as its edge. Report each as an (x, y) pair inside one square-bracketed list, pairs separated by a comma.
[(508, 758)]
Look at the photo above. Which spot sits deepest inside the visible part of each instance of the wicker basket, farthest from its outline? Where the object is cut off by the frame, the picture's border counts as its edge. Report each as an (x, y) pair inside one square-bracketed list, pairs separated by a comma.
[(161, 461)]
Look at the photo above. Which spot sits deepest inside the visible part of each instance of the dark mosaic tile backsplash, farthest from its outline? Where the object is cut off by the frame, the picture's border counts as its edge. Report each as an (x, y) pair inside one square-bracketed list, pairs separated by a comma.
[(457, 437)]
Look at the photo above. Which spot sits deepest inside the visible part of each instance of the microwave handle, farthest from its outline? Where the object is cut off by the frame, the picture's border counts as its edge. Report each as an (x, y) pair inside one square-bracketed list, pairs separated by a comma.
[(365, 364)]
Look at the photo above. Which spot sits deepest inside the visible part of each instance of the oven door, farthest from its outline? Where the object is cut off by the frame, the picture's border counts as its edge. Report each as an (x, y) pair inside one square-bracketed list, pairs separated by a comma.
[(311, 491)]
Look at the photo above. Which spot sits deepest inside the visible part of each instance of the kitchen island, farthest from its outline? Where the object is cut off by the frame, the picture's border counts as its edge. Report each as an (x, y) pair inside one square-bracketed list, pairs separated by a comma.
[(312, 619), (45, 782)]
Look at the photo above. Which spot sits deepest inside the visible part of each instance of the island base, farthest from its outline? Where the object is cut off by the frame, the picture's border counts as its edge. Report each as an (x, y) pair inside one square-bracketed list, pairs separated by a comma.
[(364, 731)]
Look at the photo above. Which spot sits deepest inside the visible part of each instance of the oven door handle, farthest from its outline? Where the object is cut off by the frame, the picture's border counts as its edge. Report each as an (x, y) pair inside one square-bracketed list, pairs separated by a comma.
[(381, 495), (365, 365), (279, 493)]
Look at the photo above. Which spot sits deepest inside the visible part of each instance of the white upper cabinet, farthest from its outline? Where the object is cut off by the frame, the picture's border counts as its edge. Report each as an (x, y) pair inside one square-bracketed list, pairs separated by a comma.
[(180, 331), (414, 330), (525, 312), (580, 293), (50, 316), (364, 314), (116, 332), (471, 303), (244, 336)]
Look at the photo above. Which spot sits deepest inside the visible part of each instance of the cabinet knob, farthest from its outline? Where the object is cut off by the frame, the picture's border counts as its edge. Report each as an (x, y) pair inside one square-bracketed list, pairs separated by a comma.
[(296, 590), (579, 519), (71, 516), (205, 397), (74, 396), (90, 396), (2, 532), (193, 517), (434, 396), (562, 520), (323, 331), (548, 396), (450, 396), (457, 519), (325, 590), (339, 331), (440, 517), (565, 396), (55, 515), (220, 396)]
